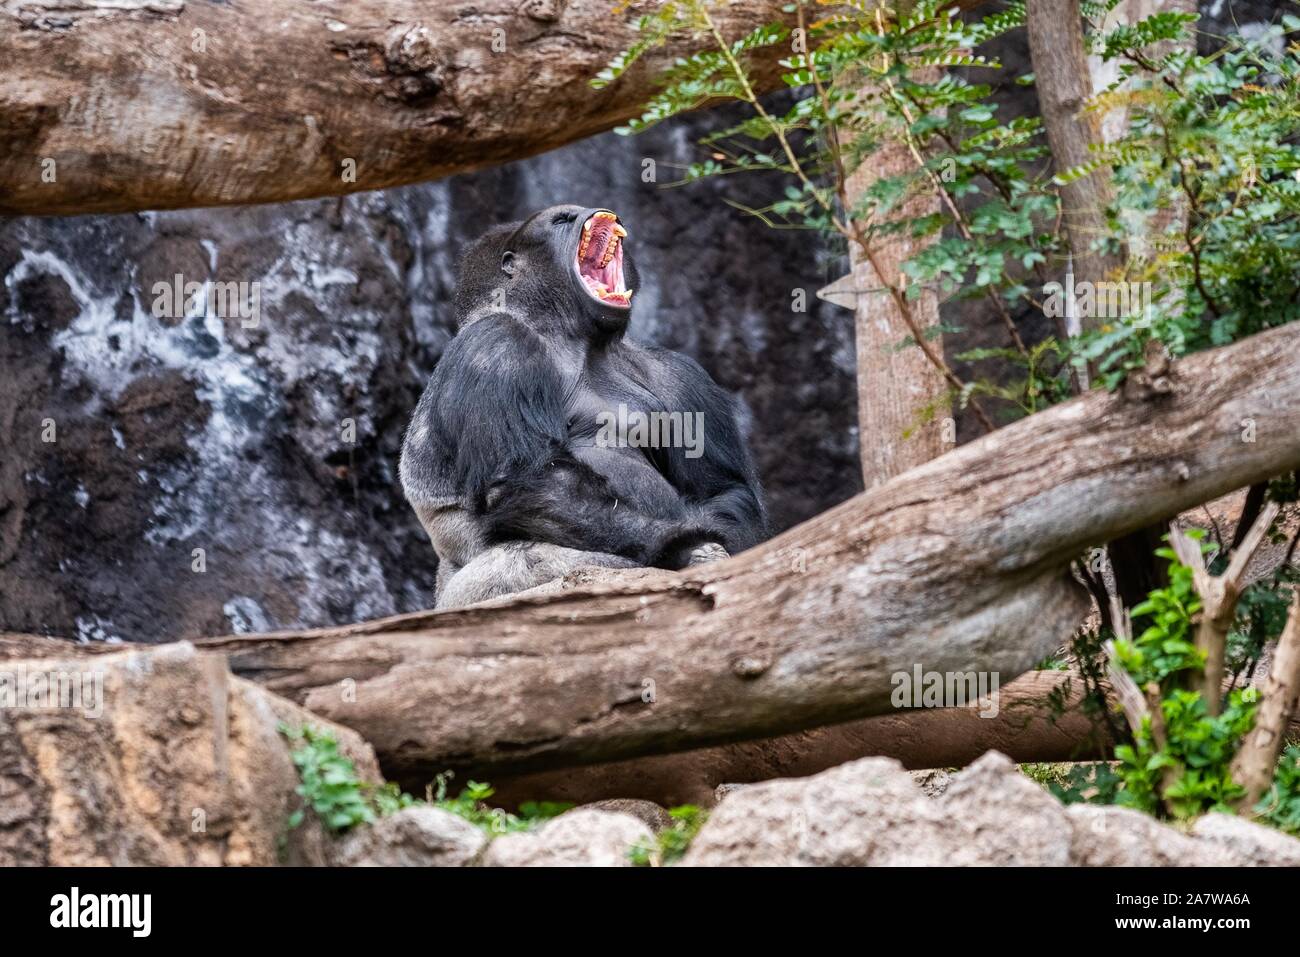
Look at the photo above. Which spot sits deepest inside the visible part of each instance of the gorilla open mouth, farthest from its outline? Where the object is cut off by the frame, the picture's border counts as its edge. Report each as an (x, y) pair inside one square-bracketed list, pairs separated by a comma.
[(600, 260)]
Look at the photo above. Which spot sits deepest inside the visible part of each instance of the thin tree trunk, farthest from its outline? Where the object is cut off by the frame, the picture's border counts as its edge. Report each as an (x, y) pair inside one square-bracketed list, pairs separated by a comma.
[(1253, 765), (896, 384), (1064, 83), (1065, 79)]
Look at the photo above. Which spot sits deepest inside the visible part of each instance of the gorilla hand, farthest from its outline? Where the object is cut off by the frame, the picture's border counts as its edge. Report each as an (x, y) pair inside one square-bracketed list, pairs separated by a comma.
[(706, 553)]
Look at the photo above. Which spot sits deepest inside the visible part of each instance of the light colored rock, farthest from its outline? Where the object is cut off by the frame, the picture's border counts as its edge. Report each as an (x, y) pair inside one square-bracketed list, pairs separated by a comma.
[(1248, 844), (579, 838), (175, 763), (722, 790), (867, 811), (998, 816), (1106, 836), (418, 836), (647, 812), (932, 782), (871, 813)]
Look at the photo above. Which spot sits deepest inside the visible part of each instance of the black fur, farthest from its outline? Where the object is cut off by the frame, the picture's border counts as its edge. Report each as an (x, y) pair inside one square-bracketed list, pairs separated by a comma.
[(510, 424)]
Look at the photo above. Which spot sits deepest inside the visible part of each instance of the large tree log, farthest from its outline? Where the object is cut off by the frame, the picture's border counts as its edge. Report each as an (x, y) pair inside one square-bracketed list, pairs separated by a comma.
[(957, 565), (1026, 729), (157, 104)]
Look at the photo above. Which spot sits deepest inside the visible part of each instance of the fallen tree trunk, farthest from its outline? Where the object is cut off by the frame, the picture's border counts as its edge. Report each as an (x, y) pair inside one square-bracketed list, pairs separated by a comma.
[(1040, 719), (959, 565), (1026, 729), (158, 104)]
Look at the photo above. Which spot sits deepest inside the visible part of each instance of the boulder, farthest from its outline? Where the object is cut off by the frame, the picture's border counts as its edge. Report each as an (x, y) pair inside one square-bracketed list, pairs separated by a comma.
[(867, 811), (1106, 836), (1247, 843), (578, 838), (871, 813), (151, 756), (647, 812), (418, 836)]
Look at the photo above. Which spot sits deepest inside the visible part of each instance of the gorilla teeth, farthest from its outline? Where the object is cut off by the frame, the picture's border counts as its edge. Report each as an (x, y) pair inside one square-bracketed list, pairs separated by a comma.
[(611, 232), (614, 242), (599, 247)]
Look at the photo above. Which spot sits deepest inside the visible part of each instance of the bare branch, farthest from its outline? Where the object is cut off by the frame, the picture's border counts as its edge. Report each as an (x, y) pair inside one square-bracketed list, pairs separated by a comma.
[(1253, 765)]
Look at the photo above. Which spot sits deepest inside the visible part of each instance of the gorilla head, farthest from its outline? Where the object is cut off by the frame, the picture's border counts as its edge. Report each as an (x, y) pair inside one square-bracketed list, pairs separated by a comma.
[(563, 269)]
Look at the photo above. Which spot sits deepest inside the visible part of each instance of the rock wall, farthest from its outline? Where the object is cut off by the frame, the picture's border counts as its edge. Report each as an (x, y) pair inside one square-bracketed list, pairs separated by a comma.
[(198, 432)]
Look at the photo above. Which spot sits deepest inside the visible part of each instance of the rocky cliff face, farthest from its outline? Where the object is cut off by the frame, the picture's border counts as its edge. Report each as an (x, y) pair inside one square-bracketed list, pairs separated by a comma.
[(128, 440)]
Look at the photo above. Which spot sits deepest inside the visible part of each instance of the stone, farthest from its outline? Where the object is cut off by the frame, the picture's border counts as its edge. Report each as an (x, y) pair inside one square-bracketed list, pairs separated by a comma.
[(160, 758), (871, 812), (647, 812), (578, 838), (1246, 842), (419, 836), (1106, 836), (863, 812), (933, 782)]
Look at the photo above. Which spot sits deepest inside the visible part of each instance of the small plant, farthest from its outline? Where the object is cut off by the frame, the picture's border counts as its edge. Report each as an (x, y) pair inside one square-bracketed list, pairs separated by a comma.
[(471, 804), (1189, 772), (1047, 773), (331, 787), (1281, 805), (1188, 733), (1186, 747), (670, 844), (1087, 782), (1179, 762)]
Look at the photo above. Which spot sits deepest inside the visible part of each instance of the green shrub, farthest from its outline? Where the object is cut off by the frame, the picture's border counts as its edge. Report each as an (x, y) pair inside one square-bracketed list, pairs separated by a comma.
[(670, 844)]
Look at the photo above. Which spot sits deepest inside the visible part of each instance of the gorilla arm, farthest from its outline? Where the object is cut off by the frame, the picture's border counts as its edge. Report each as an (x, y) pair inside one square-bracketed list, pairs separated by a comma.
[(721, 483), (496, 422)]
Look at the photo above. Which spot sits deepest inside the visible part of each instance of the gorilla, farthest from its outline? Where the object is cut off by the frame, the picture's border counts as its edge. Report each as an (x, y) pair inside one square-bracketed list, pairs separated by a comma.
[(512, 460)]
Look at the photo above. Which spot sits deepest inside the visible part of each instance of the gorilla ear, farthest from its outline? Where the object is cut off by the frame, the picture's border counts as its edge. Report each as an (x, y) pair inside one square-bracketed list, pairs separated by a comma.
[(508, 263)]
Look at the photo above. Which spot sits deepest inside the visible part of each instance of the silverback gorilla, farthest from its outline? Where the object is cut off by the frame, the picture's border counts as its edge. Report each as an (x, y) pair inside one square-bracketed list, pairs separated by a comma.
[(511, 460)]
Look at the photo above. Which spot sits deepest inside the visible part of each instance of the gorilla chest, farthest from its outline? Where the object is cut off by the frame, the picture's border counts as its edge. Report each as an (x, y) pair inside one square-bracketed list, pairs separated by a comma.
[(606, 431), (594, 409)]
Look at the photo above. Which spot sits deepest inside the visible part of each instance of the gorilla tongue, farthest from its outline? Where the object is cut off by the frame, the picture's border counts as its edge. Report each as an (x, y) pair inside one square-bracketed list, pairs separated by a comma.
[(600, 259)]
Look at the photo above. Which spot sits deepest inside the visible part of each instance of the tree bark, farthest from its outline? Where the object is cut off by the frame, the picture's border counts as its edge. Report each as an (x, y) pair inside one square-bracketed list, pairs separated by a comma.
[(1064, 83), (1025, 729), (1253, 765), (895, 384), (957, 565), (159, 104), (1065, 79)]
